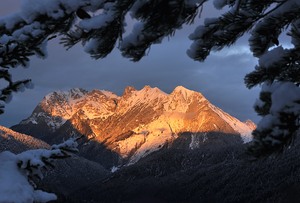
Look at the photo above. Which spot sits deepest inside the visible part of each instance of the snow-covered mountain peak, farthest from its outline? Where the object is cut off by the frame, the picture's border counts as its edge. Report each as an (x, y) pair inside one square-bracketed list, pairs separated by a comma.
[(147, 97), (182, 89), (76, 92), (153, 91), (59, 106), (71, 94), (146, 94), (62, 98), (97, 94), (183, 99), (185, 93), (64, 103), (136, 123)]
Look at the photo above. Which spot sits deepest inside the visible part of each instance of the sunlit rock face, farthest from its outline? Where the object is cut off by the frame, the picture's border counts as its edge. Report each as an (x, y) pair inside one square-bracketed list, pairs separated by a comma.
[(123, 129)]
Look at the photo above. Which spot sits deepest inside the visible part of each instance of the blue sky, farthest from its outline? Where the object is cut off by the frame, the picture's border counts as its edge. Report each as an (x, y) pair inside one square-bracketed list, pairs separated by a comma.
[(219, 78)]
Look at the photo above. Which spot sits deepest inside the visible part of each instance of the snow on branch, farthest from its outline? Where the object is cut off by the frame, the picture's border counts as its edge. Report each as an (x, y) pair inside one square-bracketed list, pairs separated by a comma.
[(18, 171), (217, 33), (280, 106), (266, 32), (157, 19)]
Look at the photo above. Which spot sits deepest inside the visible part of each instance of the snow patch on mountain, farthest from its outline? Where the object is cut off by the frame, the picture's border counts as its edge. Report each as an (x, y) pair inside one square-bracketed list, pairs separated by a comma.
[(110, 94), (195, 142), (54, 122), (196, 139), (30, 120), (153, 137), (126, 146)]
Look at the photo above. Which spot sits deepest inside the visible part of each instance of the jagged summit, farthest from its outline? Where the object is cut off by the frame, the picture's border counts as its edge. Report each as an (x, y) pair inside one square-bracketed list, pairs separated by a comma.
[(128, 90), (183, 90), (74, 93), (132, 125)]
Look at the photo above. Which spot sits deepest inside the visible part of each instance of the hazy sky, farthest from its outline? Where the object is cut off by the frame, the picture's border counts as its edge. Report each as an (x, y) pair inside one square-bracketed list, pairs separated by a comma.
[(219, 78)]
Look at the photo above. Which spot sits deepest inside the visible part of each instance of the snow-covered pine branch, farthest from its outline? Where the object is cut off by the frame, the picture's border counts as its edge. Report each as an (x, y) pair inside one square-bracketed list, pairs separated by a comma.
[(279, 104), (18, 171)]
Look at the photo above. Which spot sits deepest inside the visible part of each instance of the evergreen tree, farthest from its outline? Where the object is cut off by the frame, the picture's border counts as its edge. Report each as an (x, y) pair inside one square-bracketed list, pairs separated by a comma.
[(99, 25)]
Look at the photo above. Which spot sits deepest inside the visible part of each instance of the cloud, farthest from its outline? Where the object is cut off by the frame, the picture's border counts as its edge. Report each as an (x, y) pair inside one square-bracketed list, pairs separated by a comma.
[(9, 6)]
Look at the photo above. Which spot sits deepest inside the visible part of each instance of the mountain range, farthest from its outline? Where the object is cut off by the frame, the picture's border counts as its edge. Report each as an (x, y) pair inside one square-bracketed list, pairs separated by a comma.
[(120, 130), (149, 146)]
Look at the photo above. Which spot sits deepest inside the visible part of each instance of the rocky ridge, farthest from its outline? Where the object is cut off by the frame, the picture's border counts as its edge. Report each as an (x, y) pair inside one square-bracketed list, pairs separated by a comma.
[(130, 126)]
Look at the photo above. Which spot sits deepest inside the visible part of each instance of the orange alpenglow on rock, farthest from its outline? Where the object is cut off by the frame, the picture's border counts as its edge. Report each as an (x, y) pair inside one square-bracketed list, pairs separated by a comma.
[(137, 123)]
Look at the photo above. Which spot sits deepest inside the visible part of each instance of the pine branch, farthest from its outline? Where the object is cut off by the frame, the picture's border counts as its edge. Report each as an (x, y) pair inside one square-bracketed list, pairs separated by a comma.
[(34, 161), (268, 30), (159, 19), (284, 68)]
